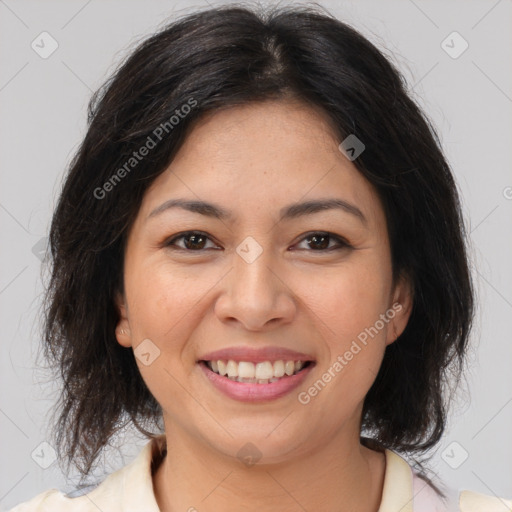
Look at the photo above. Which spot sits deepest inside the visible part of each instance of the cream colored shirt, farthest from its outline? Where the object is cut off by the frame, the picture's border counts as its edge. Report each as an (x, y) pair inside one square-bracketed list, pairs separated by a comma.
[(130, 489)]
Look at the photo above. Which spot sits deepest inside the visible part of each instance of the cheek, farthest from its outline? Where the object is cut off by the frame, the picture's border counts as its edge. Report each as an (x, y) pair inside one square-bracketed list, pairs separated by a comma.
[(351, 301), (163, 300), (358, 333)]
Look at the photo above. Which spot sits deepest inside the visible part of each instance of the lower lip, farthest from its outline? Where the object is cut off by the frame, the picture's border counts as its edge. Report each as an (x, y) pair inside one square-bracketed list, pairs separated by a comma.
[(249, 392)]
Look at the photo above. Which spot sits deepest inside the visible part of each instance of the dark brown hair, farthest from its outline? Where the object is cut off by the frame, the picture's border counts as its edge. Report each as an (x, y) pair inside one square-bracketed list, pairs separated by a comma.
[(219, 58)]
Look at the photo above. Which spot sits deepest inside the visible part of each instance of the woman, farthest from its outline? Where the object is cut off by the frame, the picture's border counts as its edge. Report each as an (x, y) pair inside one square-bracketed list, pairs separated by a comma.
[(258, 256)]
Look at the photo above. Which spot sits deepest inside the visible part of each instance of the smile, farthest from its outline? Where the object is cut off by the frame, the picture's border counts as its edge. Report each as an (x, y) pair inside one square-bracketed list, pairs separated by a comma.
[(263, 372), (255, 382)]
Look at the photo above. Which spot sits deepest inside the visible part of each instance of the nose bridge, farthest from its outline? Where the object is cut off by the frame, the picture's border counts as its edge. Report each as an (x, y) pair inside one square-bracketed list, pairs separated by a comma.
[(255, 293), (253, 271)]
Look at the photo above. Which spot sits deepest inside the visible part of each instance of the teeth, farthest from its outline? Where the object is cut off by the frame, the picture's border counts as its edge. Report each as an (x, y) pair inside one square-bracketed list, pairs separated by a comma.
[(262, 372), (245, 370), (232, 369), (278, 369), (221, 367), (289, 367)]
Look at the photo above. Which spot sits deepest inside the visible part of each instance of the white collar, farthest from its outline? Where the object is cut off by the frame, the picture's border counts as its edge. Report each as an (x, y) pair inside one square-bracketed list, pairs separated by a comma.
[(130, 489)]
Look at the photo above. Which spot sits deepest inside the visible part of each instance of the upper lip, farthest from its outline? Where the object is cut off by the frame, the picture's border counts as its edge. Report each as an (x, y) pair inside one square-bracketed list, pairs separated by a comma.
[(256, 355)]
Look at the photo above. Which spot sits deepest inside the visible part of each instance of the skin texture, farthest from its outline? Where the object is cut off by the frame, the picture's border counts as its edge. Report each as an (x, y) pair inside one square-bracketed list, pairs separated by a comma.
[(254, 160)]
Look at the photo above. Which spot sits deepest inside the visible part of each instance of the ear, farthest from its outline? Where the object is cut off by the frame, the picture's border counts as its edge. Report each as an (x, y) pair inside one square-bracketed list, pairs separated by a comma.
[(401, 305), (123, 333)]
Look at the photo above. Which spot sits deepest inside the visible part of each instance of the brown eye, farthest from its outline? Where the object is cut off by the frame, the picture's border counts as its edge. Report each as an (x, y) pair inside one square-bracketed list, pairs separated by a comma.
[(320, 241), (193, 241), (196, 241)]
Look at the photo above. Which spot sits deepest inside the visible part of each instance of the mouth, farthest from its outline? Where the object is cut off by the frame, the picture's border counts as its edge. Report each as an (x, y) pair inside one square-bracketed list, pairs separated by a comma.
[(249, 381), (261, 372)]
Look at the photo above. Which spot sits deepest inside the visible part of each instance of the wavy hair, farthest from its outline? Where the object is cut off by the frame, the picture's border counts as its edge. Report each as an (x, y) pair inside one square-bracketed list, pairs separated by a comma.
[(219, 58)]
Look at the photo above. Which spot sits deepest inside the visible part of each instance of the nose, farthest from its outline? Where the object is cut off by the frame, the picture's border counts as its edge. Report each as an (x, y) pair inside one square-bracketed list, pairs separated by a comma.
[(256, 294)]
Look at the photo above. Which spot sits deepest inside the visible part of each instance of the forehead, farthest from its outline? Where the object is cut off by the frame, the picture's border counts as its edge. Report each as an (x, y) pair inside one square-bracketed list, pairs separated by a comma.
[(272, 125), (260, 157)]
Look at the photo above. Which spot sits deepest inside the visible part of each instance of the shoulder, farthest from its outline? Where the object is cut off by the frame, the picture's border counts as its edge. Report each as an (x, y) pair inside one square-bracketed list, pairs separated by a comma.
[(407, 490), (471, 501), (130, 487), (427, 499), (54, 500), (37, 503)]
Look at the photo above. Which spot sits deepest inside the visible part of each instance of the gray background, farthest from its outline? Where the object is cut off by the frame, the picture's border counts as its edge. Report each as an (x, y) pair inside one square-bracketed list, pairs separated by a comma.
[(43, 118)]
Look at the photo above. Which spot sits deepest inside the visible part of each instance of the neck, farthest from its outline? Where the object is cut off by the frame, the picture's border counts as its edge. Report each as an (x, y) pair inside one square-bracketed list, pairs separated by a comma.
[(339, 476)]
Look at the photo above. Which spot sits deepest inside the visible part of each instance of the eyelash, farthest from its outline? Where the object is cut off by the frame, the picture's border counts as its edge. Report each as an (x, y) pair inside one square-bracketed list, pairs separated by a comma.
[(343, 244)]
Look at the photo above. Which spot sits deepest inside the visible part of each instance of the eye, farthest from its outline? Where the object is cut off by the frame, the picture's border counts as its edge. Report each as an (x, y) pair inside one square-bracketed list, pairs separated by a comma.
[(320, 241), (194, 241)]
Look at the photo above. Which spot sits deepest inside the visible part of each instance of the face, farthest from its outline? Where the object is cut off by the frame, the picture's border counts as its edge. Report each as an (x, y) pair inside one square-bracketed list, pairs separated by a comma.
[(262, 283)]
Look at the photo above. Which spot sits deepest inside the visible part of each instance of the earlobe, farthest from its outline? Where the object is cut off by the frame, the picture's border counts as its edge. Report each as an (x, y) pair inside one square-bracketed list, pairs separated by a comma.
[(123, 334)]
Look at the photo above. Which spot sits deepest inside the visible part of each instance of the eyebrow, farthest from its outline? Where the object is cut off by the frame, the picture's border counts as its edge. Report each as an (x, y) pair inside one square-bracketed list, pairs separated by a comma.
[(289, 212)]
